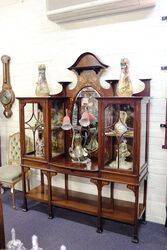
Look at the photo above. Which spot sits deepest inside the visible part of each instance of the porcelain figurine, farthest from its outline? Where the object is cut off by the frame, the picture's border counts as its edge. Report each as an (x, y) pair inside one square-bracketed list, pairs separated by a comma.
[(124, 87), (42, 88), (121, 127), (40, 147), (122, 154), (76, 151)]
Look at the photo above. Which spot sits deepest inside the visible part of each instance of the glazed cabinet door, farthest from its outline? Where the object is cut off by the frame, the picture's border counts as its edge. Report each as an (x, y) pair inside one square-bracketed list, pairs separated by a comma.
[(33, 128), (120, 134)]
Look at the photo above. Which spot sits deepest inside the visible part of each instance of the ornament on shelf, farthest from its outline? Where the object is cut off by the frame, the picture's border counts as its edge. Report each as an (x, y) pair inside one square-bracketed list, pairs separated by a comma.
[(124, 87), (121, 127), (122, 154), (66, 125), (77, 152), (42, 88), (40, 146)]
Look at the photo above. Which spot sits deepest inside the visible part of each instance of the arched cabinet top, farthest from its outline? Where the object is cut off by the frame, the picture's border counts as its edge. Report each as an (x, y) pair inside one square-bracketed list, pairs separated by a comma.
[(88, 69), (87, 61)]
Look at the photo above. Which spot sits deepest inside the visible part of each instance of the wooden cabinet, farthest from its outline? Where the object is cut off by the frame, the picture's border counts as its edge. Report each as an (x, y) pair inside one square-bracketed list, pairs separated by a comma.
[(88, 132)]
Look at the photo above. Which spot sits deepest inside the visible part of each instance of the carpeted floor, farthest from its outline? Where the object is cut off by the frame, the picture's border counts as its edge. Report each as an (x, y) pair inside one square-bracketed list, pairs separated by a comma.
[(76, 230)]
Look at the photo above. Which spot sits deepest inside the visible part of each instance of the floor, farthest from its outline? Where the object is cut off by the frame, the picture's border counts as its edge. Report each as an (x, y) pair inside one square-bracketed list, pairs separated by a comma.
[(75, 230)]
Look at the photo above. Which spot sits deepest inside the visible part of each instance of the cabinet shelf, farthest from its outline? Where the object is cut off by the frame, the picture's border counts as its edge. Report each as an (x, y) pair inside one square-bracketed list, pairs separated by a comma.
[(62, 162), (129, 134), (87, 203)]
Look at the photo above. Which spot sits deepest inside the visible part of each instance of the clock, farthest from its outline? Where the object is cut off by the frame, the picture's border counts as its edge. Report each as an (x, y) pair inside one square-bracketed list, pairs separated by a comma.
[(7, 96)]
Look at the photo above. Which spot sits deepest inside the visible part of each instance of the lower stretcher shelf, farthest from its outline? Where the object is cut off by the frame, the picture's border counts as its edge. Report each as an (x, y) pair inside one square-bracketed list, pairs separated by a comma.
[(87, 203)]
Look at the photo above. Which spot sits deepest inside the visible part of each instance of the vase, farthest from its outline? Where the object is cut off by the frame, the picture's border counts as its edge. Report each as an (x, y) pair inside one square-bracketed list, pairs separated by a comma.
[(124, 87), (42, 88)]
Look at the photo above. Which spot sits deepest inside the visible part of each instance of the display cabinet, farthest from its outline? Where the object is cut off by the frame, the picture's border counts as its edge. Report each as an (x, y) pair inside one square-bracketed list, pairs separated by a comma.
[(88, 132)]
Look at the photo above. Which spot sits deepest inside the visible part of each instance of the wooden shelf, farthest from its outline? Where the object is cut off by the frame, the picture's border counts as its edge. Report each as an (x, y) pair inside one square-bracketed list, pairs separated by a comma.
[(62, 162), (87, 203)]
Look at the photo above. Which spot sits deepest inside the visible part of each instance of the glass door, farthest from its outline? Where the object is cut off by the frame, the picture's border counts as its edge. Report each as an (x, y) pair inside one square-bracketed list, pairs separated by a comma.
[(119, 136), (34, 129)]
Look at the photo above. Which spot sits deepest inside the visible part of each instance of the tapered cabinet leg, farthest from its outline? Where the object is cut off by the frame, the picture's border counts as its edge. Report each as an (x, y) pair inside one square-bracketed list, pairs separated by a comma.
[(25, 207), (135, 238), (66, 186), (99, 184), (99, 201), (135, 189), (112, 194), (99, 213), (144, 202), (42, 182), (50, 207)]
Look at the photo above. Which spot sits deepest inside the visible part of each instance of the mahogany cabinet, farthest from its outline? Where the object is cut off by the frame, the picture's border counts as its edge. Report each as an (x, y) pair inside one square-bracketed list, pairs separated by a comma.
[(88, 132)]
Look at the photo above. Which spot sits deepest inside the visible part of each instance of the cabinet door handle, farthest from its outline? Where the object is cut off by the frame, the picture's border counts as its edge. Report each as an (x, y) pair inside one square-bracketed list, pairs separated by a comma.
[(163, 125)]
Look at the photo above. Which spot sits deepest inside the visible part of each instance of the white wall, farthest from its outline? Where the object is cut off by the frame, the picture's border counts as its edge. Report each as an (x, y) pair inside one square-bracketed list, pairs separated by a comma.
[(30, 39)]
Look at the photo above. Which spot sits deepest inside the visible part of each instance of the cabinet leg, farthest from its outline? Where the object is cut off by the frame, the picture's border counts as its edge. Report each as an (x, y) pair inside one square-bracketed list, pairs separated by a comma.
[(42, 182), (99, 218), (50, 208), (143, 219), (66, 186), (112, 194), (25, 207), (135, 238), (144, 202), (166, 218)]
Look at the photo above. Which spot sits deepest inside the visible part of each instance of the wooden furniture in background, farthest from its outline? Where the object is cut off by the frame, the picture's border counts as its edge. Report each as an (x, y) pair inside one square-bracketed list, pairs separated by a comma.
[(10, 174), (41, 119), (2, 235)]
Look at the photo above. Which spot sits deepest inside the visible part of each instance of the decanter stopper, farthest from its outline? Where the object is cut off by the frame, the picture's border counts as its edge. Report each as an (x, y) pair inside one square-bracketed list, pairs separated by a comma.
[(35, 245), (15, 244), (42, 88), (124, 87)]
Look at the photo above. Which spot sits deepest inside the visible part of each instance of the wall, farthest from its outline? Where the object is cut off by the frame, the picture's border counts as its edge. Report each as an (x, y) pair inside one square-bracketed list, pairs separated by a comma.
[(30, 39)]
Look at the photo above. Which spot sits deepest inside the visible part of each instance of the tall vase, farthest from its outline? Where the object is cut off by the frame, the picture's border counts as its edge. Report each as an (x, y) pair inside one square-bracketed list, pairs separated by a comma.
[(42, 88), (124, 87)]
